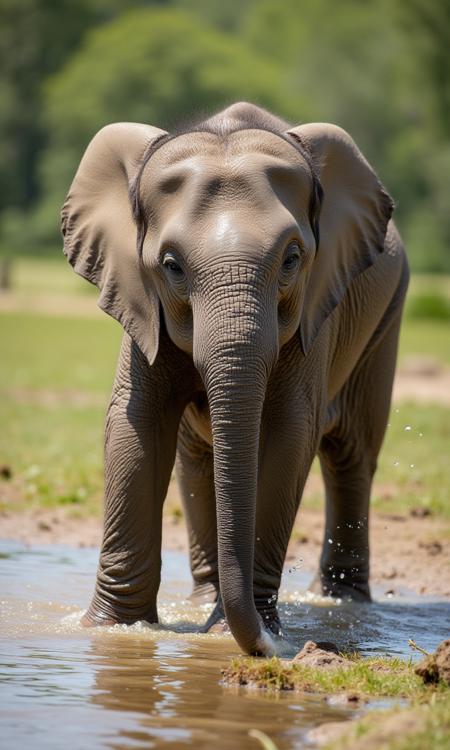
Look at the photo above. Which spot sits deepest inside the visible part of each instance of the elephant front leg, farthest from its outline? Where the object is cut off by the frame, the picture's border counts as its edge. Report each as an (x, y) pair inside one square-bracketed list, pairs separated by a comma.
[(286, 455), (348, 458), (277, 507), (140, 442), (195, 476), (344, 562)]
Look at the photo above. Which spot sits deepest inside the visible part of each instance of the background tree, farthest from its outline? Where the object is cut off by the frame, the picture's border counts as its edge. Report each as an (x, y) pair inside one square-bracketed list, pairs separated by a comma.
[(379, 69), (155, 66)]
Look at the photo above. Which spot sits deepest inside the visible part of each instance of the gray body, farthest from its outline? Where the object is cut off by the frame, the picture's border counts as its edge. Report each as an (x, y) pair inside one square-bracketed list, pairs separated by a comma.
[(260, 282)]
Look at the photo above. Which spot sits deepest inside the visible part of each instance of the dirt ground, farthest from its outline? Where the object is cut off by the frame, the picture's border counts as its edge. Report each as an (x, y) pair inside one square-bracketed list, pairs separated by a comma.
[(406, 551), (424, 380)]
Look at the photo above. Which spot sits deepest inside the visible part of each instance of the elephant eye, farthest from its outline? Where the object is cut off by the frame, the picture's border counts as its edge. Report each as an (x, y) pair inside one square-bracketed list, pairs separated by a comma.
[(292, 257), (172, 266)]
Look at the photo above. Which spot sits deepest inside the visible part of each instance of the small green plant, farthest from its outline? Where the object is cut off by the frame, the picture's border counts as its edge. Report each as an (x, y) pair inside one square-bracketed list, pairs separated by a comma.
[(378, 676)]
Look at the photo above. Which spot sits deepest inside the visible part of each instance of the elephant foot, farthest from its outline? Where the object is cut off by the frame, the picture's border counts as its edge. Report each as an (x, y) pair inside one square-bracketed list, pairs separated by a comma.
[(94, 618), (266, 605), (216, 622), (357, 591), (90, 620), (220, 627), (204, 593)]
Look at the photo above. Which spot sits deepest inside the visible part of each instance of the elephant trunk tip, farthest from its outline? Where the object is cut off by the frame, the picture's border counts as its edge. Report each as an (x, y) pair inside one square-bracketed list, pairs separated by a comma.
[(265, 645), (260, 642)]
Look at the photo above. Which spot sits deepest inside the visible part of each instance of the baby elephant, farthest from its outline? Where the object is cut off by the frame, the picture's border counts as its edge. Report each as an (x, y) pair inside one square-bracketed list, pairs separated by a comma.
[(260, 281)]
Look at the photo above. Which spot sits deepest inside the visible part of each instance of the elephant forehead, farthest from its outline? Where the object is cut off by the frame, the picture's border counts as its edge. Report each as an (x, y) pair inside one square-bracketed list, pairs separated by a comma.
[(201, 169), (227, 146)]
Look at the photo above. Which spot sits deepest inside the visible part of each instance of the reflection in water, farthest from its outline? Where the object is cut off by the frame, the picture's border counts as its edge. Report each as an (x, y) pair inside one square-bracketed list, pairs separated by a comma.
[(141, 687), (177, 693)]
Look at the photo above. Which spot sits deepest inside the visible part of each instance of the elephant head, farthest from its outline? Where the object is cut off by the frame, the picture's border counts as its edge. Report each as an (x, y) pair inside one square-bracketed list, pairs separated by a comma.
[(216, 233)]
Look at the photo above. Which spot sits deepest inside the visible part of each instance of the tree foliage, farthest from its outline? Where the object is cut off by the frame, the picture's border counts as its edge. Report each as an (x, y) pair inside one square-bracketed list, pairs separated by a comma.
[(379, 68)]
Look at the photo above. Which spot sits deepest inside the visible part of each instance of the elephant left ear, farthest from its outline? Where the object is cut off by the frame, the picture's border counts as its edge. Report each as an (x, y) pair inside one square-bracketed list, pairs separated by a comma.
[(353, 221), (100, 234)]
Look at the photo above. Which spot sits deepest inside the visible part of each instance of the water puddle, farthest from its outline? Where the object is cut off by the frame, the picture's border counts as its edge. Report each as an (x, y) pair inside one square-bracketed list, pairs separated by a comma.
[(155, 687)]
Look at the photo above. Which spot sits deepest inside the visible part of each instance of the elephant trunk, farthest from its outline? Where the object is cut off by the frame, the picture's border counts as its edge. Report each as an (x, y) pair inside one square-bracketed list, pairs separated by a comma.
[(235, 359)]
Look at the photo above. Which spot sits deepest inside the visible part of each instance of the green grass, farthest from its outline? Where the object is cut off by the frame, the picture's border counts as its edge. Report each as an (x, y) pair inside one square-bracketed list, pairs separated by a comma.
[(373, 677), (55, 377), (423, 727), (414, 459), (413, 468), (55, 454), (56, 373), (426, 327), (48, 276), (435, 734), (428, 283), (48, 352), (425, 338), (425, 724)]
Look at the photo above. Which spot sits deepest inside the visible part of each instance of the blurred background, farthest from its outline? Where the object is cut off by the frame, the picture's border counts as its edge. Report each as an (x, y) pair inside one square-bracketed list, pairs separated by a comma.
[(378, 68)]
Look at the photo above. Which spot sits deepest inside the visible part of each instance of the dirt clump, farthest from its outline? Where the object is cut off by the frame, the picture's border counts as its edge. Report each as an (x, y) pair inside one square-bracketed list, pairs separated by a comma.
[(380, 735), (321, 655), (328, 732), (436, 667)]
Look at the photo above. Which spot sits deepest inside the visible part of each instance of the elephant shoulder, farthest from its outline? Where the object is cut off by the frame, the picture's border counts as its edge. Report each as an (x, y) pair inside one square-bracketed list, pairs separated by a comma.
[(395, 260), (393, 243)]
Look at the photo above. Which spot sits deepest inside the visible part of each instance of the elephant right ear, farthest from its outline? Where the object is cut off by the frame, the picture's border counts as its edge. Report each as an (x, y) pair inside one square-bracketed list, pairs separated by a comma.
[(100, 234), (354, 215)]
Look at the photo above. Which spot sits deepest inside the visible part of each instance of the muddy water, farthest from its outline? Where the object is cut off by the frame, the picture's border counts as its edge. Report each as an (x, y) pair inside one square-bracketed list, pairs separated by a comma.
[(141, 687)]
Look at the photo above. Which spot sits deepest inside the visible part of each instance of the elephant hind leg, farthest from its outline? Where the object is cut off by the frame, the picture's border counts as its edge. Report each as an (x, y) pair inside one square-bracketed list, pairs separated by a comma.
[(348, 456), (195, 476)]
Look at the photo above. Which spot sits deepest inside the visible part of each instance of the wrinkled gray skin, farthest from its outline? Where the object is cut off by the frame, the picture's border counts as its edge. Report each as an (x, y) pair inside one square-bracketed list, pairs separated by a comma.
[(250, 346)]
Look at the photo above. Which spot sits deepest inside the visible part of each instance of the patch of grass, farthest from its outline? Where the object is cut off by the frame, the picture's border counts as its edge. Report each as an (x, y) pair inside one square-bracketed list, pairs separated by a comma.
[(424, 724), (425, 338), (424, 727), (429, 306), (425, 328), (376, 676), (413, 468), (44, 351), (48, 276), (56, 374), (55, 455), (425, 283), (413, 460)]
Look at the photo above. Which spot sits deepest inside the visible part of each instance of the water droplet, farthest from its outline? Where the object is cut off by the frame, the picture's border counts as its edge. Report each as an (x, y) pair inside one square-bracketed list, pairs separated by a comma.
[(411, 466), (396, 463), (330, 541), (341, 576), (408, 428)]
